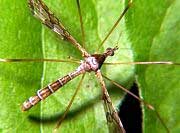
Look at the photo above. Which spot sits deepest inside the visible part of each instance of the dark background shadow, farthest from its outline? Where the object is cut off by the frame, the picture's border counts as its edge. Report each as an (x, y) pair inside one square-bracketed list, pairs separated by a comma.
[(131, 112)]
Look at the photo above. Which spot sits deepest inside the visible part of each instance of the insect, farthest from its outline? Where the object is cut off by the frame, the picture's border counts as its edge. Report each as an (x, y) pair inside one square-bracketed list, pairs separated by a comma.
[(44, 107)]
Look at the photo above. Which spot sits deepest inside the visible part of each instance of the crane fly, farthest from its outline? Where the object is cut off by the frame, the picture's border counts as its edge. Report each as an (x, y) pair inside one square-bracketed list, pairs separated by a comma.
[(90, 63)]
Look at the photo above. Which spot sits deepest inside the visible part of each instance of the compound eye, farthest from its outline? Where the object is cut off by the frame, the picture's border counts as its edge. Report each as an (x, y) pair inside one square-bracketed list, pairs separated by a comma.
[(110, 51)]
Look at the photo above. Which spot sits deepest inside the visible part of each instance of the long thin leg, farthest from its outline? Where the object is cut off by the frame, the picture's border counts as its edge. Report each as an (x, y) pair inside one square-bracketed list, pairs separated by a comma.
[(70, 103), (81, 22), (42, 12), (149, 106), (39, 60), (143, 63), (115, 25), (108, 106)]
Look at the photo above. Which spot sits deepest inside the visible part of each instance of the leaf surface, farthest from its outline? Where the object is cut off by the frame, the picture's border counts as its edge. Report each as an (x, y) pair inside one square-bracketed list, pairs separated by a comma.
[(153, 30), (24, 37)]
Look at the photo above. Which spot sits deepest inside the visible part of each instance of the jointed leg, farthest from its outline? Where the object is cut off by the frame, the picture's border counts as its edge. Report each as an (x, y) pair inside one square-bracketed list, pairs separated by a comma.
[(115, 25), (149, 106), (39, 60), (81, 22), (70, 103), (143, 63)]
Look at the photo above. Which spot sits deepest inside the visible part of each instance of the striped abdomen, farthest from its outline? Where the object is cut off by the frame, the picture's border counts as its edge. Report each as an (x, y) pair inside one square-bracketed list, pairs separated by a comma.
[(48, 90)]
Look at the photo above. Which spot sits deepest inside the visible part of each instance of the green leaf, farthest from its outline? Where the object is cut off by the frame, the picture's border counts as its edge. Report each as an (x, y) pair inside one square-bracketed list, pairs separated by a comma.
[(22, 36), (154, 31)]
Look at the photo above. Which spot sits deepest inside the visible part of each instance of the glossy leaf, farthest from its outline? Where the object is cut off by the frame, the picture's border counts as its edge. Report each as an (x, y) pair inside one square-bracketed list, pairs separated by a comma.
[(22, 36), (153, 29)]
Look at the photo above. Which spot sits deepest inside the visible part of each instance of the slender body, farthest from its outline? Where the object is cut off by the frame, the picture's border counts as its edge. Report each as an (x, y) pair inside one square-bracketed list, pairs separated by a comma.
[(48, 90), (92, 63)]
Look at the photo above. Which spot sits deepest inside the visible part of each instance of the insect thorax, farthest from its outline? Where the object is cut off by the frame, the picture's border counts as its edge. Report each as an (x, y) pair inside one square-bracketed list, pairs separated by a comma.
[(95, 61), (89, 64)]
